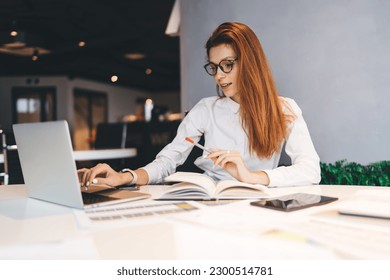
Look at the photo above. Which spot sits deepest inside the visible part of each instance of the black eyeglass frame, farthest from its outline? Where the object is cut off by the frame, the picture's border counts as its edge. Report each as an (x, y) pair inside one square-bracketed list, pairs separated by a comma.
[(232, 61)]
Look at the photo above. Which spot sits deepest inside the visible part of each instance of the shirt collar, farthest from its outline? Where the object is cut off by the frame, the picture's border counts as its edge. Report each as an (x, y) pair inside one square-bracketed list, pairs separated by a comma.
[(233, 105)]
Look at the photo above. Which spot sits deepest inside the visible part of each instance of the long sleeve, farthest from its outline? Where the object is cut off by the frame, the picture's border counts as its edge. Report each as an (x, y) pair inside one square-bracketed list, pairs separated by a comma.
[(219, 121), (305, 168), (175, 153)]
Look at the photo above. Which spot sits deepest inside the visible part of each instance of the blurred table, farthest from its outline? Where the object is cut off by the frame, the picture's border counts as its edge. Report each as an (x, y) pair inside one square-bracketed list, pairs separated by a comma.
[(99, 154), (105, 154)]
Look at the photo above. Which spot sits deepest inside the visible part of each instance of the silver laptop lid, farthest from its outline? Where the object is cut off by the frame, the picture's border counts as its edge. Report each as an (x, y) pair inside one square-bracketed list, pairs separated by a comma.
[(46, 157)]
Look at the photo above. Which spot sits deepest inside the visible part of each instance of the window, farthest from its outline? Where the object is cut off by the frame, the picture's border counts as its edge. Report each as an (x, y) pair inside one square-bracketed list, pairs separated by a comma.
[(33, 104), (90, 109)]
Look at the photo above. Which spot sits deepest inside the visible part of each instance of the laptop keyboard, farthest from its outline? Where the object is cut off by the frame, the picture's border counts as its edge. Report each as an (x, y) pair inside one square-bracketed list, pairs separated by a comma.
[(90, 198)]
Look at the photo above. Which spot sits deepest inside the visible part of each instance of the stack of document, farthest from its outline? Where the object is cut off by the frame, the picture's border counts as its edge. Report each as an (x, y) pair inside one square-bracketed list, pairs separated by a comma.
[(358, 228)]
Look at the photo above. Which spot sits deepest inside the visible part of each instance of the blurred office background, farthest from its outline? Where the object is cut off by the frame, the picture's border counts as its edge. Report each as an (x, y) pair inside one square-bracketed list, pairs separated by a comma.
[(96, 62), (85, 61)]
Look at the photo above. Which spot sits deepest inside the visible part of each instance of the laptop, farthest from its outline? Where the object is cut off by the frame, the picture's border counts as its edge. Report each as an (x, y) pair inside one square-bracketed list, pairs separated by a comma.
[(49, 168)]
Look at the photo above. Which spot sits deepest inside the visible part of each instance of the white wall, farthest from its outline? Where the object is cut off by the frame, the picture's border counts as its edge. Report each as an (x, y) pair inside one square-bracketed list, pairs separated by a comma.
[(331, 56)]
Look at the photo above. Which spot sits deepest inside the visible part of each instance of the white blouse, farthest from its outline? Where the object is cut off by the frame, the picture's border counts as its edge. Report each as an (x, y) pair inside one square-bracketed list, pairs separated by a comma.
[(218, 119)]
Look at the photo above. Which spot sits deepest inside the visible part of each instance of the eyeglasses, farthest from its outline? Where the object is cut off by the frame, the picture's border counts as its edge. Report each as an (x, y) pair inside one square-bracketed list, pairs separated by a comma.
[(226, 65)]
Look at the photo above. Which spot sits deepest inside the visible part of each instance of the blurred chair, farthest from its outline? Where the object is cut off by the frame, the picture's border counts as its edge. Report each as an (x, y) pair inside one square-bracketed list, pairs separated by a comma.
[(149, 138), (110, 136), (3, 158), (284, 160), (12, 171)]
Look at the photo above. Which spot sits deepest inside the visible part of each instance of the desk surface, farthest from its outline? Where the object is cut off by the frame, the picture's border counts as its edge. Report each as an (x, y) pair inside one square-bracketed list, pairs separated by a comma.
[(33, 229)]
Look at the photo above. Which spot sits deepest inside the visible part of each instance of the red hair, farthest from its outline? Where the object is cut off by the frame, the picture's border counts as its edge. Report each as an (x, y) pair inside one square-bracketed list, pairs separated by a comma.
[(261, 111)]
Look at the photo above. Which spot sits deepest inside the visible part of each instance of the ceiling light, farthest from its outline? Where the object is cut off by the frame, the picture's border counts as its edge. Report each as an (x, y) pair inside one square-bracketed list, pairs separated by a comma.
[(148, 71), (114, 78), (14, 31), (135, 56), (82, 44), (35, 55), (20, 49)]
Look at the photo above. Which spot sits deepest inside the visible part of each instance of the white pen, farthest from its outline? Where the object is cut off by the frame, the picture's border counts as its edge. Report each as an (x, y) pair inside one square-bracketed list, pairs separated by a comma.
[(198, 145)]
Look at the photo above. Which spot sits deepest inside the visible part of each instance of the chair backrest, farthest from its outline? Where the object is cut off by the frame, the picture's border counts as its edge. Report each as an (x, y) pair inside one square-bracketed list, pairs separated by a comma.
[(3, 158), (12, 171), (110, 136), (149, 138), (284, 160)]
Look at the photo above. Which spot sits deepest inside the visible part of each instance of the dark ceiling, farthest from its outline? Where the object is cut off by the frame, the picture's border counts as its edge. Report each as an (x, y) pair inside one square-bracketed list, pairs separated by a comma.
[(110, 28)]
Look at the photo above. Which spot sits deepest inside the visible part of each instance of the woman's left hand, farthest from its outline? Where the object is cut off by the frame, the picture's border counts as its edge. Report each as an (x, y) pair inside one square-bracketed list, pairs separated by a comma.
[(232, 162)]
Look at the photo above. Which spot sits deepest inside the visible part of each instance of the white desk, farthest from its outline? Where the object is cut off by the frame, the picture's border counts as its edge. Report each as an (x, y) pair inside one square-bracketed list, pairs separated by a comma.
[(32, 229), (105, 154)]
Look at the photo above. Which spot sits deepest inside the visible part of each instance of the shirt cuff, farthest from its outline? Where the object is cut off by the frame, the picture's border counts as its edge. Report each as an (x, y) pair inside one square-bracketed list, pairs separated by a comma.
[(275, 179), (270, 177), (285, 176), (152, 174)]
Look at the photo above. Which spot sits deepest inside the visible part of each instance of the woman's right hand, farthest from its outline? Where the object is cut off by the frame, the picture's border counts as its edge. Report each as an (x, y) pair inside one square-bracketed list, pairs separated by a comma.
[(102, 174)]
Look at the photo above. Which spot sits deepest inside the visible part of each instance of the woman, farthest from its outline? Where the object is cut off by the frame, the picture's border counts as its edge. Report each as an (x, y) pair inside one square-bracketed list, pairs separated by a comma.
[(246, 126)]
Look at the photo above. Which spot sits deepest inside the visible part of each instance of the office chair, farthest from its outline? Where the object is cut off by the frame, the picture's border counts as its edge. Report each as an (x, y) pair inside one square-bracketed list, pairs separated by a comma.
[(284, 160), (109, 136), (4, 174), (12, 171)]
